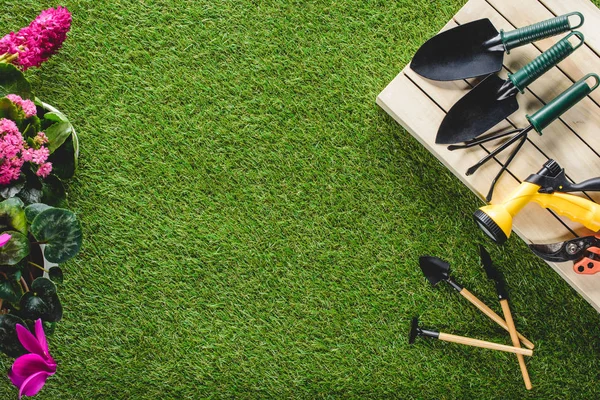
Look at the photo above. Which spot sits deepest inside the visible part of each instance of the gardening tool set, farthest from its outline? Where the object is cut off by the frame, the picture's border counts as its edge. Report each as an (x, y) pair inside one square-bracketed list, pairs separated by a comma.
[(476, 49), (436, 270)]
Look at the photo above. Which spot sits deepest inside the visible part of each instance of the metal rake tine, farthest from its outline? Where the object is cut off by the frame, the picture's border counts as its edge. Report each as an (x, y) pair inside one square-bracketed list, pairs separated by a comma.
[(496, 151), (505, 166), (485, 139)]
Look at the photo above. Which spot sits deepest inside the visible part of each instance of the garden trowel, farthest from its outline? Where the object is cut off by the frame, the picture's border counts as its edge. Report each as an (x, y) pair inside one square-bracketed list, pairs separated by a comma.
[(494, 274), (494, 98), (436, 269), (477, 48), (416, 330)]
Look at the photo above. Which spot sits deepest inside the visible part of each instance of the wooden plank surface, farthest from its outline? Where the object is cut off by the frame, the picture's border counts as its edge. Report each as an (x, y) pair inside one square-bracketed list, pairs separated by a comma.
[(419, 105)]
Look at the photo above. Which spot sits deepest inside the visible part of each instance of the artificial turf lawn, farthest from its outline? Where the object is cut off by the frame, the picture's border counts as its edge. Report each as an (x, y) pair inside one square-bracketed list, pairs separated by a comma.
[(253, 220)]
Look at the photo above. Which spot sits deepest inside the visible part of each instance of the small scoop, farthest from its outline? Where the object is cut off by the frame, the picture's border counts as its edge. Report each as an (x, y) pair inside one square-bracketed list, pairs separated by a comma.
[(436, 270)]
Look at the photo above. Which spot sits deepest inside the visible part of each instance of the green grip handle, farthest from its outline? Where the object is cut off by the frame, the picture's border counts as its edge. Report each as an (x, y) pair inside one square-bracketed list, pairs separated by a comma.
[(560, 104), (548, 59), (539, 31)]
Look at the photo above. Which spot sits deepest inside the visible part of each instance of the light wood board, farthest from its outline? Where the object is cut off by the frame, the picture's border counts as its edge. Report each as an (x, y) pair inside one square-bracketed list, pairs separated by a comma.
[(419, 105)]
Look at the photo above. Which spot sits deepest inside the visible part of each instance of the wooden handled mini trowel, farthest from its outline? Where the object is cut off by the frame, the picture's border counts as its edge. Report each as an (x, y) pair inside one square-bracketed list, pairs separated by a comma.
[(495, 275), (416, 330), (436, 269)]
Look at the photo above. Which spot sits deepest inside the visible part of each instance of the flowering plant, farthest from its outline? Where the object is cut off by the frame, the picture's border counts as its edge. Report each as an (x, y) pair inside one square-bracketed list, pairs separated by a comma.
[(30, 371), (38, 151), (38, 145), (35, 43)]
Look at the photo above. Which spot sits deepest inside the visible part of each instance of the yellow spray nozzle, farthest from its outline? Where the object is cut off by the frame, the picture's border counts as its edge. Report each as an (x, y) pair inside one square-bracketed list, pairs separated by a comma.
[(546, 188)]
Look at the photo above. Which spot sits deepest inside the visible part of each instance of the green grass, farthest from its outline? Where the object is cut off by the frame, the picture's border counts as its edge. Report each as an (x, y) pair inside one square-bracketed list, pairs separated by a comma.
[(253, 220)]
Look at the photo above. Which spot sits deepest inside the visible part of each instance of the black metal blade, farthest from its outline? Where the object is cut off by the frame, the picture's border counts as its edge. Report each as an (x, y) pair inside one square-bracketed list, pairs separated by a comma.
[(492, 272), (414, 326), (434, 269), (477, 111), (570, 250), (459, 53)]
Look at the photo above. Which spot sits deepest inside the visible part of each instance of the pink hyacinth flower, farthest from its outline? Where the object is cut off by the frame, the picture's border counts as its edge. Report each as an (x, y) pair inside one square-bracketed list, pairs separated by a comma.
[(4, 238), (35, 43), (30, 371)]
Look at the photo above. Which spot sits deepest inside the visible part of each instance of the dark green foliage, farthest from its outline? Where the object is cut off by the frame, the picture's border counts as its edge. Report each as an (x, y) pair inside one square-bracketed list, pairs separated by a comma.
[(12, 81), (41, 302), (9, 343), (14, 251), (60, 230)]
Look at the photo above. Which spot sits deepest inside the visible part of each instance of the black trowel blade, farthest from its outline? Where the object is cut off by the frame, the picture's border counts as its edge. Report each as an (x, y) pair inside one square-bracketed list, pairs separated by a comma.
[(414, 330), (434, 269), (476, 112), (459, 53)]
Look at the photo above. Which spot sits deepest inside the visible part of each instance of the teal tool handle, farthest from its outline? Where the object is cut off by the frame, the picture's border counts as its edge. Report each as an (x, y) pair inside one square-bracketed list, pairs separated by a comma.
[(539, 31), (560, 104), (548, 59)]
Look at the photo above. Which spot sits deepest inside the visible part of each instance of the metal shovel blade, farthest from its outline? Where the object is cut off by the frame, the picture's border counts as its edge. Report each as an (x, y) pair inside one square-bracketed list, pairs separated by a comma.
[(414, 330), (476, 112), (459, 53), (434, 269)]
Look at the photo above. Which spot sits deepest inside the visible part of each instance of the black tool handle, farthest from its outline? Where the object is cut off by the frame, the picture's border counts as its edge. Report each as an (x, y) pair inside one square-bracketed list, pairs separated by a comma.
[(539, 31), (590, 185)]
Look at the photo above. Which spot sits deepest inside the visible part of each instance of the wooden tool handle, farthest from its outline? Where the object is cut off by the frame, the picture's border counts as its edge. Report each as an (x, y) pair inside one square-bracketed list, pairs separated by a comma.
[(493, 316), (515, 341), (482, 343)]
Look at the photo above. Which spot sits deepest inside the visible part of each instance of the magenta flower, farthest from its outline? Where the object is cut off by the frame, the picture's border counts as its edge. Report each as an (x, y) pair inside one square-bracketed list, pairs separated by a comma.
[(4, 238), (27, 106), (33, 45), (11, 147), (30, 371)]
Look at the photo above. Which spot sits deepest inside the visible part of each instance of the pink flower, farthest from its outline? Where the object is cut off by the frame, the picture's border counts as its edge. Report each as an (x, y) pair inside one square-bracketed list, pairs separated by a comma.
[(41, 138), (11, 147), (4, 238), (44, 170), (27, 106), (30, 371), (41, 39)]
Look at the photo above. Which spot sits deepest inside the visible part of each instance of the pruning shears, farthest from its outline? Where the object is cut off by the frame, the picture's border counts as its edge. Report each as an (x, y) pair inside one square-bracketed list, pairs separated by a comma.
[(584, 251)]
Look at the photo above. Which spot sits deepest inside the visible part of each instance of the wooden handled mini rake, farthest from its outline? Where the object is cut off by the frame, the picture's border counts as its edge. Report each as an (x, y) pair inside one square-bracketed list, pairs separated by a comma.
[(538, 121)]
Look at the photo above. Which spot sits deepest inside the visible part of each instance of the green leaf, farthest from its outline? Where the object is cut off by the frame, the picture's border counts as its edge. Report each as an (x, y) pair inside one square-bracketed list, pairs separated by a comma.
[(64, 159), (32, 211), (9, 342), (56, 274), (61, 231), (9, 289), (55, 117), (42, 301), (54, 192), (32, 306), (30, 127), (15, 250), (9, 110), (12, 81), (58, 134), (12, 215), (43, 287), (15, 187)]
